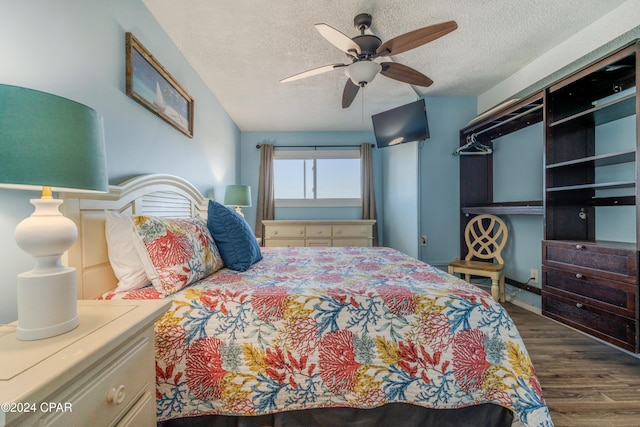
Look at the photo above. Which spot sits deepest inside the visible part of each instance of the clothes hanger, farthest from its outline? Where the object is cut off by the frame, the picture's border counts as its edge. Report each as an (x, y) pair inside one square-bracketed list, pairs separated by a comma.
[(473, 147)]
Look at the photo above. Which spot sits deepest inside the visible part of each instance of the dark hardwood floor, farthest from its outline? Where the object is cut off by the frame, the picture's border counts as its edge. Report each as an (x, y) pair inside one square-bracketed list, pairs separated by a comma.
[(585, 382)]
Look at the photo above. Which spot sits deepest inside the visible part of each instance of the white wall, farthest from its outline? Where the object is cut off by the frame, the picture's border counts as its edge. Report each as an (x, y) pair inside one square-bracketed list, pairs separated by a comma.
[(76, 49)]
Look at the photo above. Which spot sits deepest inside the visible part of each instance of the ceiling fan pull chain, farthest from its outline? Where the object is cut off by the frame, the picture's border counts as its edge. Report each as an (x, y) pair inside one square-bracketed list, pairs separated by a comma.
[(362, 105)]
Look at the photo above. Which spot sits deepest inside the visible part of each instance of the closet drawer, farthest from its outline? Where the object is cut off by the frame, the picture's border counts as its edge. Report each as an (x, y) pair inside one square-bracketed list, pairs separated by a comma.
[(615, 262), (617, 297), (605, 325)]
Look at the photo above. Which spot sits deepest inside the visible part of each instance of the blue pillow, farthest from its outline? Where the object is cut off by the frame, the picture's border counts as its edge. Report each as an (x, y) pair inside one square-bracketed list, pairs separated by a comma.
[(238, 246)]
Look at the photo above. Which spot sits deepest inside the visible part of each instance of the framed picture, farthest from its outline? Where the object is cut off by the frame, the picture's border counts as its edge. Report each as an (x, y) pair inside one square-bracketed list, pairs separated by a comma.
[(152, 86)]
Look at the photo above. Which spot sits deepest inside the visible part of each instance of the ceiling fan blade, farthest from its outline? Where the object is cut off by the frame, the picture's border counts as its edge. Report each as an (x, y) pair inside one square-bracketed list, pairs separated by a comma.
[(415, 38), (405, 74), (349, 94), (338, 39), (312, 72)]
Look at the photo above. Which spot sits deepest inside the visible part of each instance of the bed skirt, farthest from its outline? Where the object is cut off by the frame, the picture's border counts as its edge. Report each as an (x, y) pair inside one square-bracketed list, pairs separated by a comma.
[(391, 414)]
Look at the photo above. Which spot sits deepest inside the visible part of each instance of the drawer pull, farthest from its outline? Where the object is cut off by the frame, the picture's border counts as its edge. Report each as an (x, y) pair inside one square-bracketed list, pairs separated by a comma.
[(339, 232), (117, 395), (300, 232), (579, 276), (579, 304), (275, 232)]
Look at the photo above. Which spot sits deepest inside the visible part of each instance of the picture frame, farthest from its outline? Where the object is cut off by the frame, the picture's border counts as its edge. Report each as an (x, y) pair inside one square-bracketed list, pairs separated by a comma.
[(151, 85)]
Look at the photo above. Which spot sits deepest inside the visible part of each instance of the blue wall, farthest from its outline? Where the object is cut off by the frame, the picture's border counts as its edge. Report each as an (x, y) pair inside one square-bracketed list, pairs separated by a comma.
[(76, 49), (439, 178), (401, 188)]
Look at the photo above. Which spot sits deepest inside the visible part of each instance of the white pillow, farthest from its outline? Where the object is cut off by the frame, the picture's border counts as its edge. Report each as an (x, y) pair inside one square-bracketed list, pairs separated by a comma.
[(124, 258)]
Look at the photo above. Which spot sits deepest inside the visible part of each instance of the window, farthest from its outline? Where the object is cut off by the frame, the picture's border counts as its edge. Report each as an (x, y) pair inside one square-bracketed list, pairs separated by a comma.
[(317, 178)]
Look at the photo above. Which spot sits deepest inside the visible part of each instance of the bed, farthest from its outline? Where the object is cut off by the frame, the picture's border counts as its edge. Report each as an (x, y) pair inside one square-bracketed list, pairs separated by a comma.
[(309, 336)]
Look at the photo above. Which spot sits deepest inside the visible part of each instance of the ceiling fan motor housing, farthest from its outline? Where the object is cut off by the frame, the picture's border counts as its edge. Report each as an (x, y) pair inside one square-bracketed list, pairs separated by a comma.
[(368, 45)]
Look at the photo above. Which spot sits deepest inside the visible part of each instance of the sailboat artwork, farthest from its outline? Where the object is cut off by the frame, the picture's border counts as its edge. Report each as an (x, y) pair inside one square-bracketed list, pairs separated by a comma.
[(158, 101), (152, 86), (167, 110)]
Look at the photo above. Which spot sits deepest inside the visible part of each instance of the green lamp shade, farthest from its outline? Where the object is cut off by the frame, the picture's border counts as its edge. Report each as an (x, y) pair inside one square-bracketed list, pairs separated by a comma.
[(237, 195), (47, 140)]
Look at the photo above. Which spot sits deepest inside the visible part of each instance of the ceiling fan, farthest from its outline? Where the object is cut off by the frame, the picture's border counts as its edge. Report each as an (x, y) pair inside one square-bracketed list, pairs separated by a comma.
[(364, 48)]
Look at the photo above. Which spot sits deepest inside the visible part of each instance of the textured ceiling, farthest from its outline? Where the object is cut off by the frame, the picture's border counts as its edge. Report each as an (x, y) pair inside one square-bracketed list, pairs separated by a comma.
[(243, 48)]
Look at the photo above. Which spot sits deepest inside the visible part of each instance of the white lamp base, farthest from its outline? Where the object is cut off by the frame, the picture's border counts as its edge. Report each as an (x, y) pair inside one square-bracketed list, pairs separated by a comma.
[(47, 304)]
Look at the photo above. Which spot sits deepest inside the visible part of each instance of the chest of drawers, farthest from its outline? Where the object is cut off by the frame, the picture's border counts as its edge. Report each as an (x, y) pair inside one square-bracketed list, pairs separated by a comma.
[(100, 374), (318, 233), (593, 287)]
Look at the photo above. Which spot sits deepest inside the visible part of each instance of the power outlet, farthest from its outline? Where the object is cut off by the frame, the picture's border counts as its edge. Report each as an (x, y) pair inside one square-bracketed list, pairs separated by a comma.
[(534, 275)]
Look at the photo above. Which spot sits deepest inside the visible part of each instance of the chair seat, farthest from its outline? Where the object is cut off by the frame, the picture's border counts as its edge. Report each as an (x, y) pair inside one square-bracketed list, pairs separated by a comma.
[(477, 265)]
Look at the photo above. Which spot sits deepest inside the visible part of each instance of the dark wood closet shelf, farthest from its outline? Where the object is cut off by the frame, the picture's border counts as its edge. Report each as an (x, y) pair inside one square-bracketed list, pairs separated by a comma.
[(599, 186), (506, 208), (601, 114), (626, 156)]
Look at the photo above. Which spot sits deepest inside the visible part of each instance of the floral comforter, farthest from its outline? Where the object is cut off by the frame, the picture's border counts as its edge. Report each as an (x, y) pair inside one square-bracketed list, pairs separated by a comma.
[(325, 327)]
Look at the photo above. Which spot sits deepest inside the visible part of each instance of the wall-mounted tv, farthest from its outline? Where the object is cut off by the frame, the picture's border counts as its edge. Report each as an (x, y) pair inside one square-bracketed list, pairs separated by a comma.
[(402, 124)]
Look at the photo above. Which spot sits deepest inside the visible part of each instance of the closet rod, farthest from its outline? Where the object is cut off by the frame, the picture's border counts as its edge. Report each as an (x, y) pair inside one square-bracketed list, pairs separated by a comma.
[(510, 119), (315, 146)]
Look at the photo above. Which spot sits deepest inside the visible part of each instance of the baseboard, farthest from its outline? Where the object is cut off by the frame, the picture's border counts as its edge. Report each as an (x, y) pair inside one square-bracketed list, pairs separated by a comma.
[(524, 305)]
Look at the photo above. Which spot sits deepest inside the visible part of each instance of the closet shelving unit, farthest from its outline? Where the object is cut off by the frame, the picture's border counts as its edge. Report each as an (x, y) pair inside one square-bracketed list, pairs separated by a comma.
[(588, 282), (589, 279)]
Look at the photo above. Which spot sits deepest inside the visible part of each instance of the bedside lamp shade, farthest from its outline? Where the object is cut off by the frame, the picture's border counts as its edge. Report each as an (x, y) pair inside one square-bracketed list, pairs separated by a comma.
[(238, 196), (51, 143)]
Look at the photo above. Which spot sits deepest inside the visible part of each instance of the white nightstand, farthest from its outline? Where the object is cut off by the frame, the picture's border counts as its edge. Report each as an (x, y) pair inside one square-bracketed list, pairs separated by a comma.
[(102, 373)]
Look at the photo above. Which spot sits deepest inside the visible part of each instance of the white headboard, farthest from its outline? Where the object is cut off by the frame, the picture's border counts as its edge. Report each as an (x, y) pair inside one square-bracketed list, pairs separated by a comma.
[(154, 195)]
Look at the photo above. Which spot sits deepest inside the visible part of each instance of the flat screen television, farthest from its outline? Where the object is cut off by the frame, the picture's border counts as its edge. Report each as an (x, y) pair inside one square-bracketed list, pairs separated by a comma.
[(401, 124)]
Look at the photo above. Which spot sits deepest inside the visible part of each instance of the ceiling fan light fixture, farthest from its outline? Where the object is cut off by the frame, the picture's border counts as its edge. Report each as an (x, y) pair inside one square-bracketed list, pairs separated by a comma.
[(362, 72)]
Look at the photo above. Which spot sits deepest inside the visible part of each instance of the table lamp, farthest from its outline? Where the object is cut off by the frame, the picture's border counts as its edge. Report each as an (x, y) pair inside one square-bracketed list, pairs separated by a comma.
[(48, 143), (238, 196)]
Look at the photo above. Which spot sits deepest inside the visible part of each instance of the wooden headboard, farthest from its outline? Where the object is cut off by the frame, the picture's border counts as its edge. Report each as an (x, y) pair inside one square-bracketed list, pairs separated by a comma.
[(154, 195)]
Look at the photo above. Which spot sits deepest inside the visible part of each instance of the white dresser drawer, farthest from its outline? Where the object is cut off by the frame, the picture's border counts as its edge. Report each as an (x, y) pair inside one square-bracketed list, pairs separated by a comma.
[(283, 243), (110, 388), (143, 413), (346, 231), (318, 243), (317, 231), (281, 232), (351, 242)]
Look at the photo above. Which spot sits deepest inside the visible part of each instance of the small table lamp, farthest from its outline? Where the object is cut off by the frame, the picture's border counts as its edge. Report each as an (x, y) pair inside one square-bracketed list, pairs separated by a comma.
[(238, 196), (54, 144)]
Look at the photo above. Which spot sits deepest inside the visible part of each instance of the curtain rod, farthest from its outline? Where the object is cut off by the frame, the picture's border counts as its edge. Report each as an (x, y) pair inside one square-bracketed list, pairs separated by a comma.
[(315, 146)]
